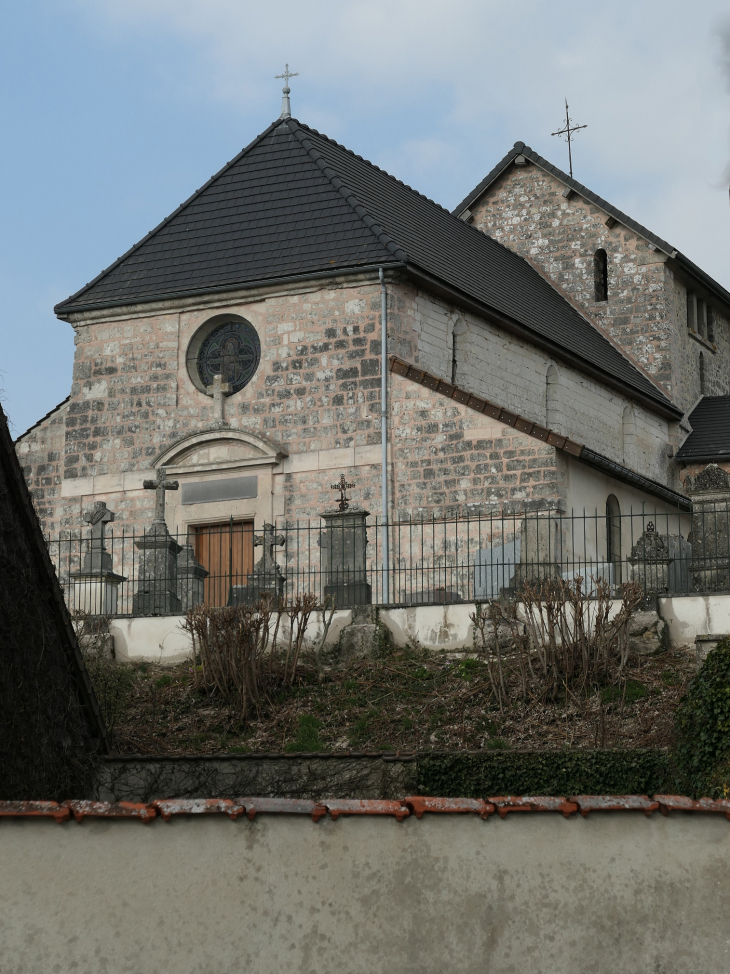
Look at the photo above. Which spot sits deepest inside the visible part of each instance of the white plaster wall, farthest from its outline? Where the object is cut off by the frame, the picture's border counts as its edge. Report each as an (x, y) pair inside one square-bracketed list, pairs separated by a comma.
[(154, 639), (587, 490), (493, 363), (537, 894), (689, 616), (160, 639)]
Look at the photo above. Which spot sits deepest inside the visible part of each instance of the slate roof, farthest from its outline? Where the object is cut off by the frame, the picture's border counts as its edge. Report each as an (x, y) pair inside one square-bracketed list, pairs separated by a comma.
[(520, 148), (710, 436), (295, 203)]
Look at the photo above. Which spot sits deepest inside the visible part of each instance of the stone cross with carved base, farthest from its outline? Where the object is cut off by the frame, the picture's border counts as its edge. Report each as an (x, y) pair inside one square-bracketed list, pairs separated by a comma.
[(269, 539), (219, 390), (160, 485)]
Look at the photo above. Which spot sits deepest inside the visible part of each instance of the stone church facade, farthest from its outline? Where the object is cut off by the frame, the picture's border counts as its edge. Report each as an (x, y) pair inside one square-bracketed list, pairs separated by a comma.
[(513, 385)]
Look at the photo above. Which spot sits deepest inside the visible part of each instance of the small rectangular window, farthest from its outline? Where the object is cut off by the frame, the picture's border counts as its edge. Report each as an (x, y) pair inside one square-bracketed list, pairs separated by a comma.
[(702, 318), (710, 325), (691, 311)]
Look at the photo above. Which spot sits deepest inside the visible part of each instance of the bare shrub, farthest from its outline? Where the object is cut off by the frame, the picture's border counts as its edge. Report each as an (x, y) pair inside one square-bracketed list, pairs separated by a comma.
[(567, 643), (240, 649)]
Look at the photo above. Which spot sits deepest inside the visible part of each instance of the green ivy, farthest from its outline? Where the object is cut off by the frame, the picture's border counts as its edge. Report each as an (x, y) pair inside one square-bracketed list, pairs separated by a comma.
[(479, 775), (702, 750)]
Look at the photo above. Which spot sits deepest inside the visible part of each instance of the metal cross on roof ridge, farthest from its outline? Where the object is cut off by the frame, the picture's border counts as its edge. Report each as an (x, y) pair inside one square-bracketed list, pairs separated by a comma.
[(342, 485), (287, 74), (568, 132), (285, 104)]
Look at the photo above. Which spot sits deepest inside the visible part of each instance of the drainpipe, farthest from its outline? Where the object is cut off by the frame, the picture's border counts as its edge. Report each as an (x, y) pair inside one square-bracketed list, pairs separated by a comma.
[(384, 430)]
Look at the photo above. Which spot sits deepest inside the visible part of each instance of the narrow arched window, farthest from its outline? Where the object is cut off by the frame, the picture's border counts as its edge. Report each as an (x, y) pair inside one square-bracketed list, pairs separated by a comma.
[(702, 373), (613, 537), (600, 274)]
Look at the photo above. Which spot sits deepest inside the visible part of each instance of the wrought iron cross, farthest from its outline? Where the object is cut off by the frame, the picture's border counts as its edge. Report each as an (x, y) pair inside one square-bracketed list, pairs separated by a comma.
[(269, 539), (287, 74), (569, 132), (343, 486), (160, 485)]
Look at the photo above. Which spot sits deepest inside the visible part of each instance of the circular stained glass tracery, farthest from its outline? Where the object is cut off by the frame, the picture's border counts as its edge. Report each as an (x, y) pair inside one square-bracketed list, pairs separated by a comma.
[(233, 351)]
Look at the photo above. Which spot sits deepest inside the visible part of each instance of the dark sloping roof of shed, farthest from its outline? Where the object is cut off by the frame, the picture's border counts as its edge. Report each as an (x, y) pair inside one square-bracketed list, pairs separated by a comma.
[(710, 436), (520, 149), (295, 203)]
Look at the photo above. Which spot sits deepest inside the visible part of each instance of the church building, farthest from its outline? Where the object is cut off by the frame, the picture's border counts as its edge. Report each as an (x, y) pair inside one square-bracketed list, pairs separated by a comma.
[(544, 352)]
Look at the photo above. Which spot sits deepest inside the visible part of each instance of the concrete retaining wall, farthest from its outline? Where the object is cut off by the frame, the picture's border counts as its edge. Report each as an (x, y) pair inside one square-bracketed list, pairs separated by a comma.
[(161, 640), (534, 893)]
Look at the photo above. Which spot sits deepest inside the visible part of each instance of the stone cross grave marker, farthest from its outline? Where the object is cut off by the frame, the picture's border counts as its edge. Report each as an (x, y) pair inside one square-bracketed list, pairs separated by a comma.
[(219, 390), (268, 540), (98, 517), (160, 485)]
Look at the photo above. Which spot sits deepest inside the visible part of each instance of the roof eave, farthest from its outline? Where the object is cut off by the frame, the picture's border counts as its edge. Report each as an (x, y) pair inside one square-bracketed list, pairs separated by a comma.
[(65, 314), (716, 457), (665, 409)]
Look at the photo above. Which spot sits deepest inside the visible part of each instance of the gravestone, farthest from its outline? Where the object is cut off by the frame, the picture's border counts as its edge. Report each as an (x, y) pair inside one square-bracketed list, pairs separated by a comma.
[(344, 552), (266, 577), (96, 586), (540, 548), (191, 578), (157, 586), (710, 562), (650, 561)]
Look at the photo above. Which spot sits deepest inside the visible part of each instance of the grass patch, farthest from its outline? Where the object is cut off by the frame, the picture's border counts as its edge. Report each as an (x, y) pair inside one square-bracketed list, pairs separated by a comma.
[(634, 691), (307, 738)]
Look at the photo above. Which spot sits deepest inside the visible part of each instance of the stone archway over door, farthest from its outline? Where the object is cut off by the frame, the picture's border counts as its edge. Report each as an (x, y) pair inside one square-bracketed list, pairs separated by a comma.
[(226, 551)]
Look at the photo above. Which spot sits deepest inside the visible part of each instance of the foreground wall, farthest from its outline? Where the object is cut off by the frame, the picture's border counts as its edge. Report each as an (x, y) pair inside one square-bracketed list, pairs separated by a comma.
[(532, 893)]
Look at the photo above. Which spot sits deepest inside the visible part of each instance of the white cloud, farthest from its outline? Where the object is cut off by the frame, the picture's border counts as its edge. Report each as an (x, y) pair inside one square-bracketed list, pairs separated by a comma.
[(438, 92)]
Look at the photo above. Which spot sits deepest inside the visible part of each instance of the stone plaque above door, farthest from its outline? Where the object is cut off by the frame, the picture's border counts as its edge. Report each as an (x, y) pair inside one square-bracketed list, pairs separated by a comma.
[(222, 489)]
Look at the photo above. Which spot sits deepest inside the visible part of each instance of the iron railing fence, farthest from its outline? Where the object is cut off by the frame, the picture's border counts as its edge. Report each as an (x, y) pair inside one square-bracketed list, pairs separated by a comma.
[(431, 561)]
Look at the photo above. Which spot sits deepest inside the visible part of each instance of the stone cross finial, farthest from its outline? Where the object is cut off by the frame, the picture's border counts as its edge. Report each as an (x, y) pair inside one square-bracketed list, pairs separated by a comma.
[(343, 486), (160, 485), (219, 390), (269, 539)]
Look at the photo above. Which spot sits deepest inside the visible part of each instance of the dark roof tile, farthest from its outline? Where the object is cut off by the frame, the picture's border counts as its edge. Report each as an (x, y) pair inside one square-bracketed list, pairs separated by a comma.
[(710, 436), (294, 202)]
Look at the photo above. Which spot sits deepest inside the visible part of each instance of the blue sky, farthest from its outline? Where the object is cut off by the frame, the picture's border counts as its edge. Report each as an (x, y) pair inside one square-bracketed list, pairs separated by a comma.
[(115, 111)]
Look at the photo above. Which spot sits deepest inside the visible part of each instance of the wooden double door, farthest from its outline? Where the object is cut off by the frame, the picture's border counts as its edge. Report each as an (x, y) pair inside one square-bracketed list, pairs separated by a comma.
[(226, 550)]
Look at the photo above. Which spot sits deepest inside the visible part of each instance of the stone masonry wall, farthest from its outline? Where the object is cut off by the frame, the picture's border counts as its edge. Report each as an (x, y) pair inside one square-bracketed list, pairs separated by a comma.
[(646, 308), (41, 453), (513, 374), (318, 387), (450, 461), (317, 392)]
